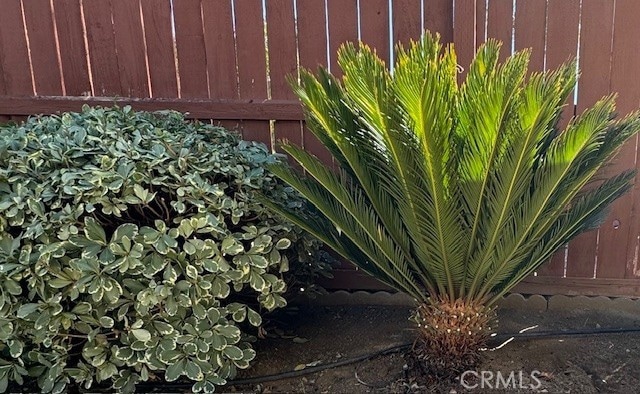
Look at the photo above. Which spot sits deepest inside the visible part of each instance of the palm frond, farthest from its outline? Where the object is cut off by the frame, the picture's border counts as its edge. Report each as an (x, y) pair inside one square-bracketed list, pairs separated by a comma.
[(425, 88), (587, 213), (351, 216)]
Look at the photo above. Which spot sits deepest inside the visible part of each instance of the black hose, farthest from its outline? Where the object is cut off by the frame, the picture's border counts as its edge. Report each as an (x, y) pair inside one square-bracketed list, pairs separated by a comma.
[(322, 367), (395, 349), (289, 374)]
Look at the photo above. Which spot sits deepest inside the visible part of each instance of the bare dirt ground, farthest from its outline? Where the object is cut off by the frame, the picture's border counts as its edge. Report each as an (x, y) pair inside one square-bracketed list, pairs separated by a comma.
[(322, 334)]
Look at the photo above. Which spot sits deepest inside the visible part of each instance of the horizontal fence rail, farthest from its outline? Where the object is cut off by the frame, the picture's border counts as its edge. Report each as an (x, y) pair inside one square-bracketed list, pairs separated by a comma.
[(230, 61)]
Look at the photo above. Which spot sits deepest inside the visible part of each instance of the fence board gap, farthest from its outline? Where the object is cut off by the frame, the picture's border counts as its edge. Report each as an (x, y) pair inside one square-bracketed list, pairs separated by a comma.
[(562, 44), (482, 7), (156, 16), (312, 45)]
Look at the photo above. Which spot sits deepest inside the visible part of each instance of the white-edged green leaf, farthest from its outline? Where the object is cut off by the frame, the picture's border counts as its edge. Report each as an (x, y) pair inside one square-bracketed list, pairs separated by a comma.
[(141, 334)]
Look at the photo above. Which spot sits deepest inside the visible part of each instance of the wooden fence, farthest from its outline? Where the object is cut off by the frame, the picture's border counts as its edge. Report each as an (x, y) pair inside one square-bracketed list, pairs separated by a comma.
[(227, 61)]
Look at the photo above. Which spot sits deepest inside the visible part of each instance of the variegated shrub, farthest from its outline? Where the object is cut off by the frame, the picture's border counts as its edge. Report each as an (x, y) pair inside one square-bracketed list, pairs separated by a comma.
[(129, 242)]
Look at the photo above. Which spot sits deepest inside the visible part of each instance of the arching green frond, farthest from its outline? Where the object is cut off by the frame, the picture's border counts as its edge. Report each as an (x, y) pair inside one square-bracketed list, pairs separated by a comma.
[(425, 89), (349, 213), (587, 213), (321, 228), (368, 95), (535, 109), (493, 167)]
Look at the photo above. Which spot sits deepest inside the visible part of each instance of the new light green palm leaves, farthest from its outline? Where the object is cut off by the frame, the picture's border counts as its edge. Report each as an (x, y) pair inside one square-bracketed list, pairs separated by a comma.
[(448, 191)]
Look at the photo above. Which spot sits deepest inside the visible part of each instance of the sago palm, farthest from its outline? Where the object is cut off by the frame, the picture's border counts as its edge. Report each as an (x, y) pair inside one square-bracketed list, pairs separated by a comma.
[(451, 193)]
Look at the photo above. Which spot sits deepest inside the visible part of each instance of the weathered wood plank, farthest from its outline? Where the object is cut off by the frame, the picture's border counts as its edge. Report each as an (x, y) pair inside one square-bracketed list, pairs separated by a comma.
[(73, 52), (197, 108), (252, 63), (42, 48), (618, 234), (158, 37), (374, 27), (189, 36), (282, 64), (14, 54), (130, 47), (101, 47)]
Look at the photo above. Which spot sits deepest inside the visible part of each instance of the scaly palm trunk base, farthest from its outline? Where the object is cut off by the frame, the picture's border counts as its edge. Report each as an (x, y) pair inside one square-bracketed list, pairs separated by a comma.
[(451, 334)]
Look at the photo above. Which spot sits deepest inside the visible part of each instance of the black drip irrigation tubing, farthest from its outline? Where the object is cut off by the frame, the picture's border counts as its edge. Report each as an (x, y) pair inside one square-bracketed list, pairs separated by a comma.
[(395, 349), (567, 333)]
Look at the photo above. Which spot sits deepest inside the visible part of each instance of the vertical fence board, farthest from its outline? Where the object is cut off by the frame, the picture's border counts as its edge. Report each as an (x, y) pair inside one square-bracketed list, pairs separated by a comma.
[(13, 50), (374, 26), (500, 24), (129, 38), (627, 84), (312, 42), (252, 72), (343, 27), (595, 67), (562, 45), (464, 32), (220, 49), (281, 33), (612, 250), (312, 45), (192, 66), (562, 32), (562, 40), (438, 17), (73, 53), (407, 23), (220, 54), (529, 30), (102, 47), (42, 43), (3, 88), (159, 40)]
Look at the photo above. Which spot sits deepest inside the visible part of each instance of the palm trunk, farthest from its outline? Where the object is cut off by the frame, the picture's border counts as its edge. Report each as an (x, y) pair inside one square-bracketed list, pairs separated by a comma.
[(451, 334)]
